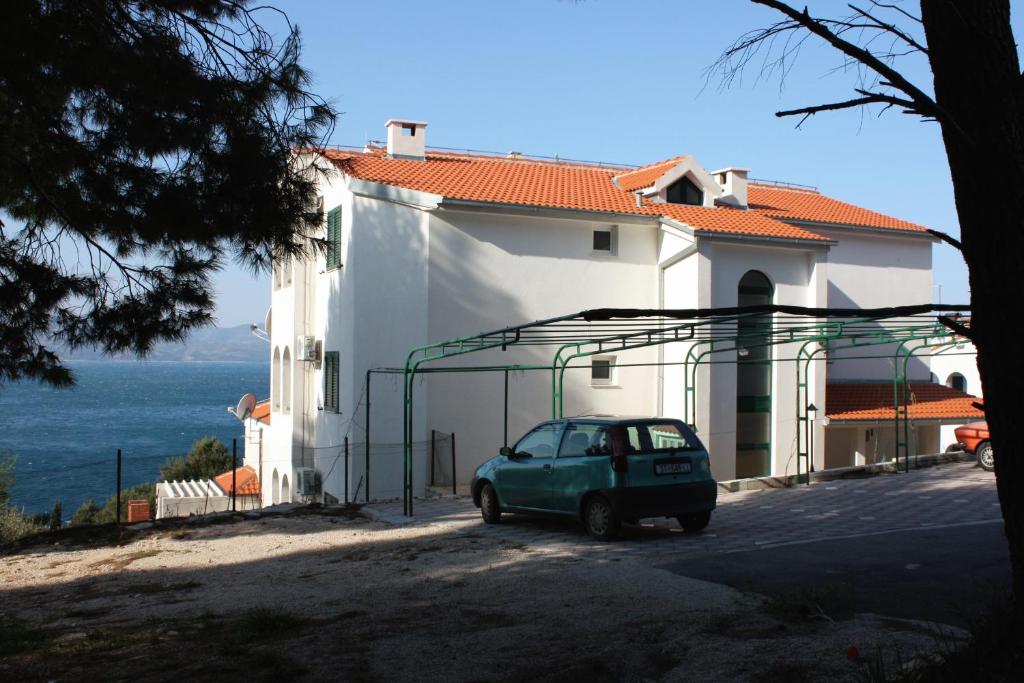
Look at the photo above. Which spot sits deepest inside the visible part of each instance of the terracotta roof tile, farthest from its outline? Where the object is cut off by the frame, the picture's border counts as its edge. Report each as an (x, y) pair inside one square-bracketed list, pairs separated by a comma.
[(810, 205), (262, 412), (590, 187), (246, 479), (874, 401), (646, 175)]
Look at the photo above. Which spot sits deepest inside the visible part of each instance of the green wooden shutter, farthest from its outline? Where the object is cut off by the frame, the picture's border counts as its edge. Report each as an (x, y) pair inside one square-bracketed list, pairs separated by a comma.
[(331, 380), (334, 238)]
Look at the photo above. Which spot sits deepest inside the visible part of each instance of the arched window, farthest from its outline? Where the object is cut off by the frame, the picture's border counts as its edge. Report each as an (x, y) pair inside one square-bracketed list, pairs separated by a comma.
[(286, 490), (275, 379), (287, 270), (957, 381), (286, 380), (275, 264), (275, 491), (753, 380)]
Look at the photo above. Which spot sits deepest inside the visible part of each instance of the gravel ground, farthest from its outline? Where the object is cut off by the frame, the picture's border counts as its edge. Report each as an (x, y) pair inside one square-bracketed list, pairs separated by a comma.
[(339, 597)]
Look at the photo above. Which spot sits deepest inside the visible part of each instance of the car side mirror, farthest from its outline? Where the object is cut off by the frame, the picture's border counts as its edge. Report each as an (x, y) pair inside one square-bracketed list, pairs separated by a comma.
[(507, 452)]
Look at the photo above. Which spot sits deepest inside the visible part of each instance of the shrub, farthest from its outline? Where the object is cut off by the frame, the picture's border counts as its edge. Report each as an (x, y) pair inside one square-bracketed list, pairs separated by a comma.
[(57, 516), (86, 513), (207, 458), (14, 525), (6, 477), (91, 513)]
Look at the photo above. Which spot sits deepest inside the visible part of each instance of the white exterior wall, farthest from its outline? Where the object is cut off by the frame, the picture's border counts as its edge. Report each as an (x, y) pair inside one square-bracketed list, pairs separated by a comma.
[(875, 270), (798, 276), (413, 274), (869, 443), (964, 360), (678, 262), (489, 271)]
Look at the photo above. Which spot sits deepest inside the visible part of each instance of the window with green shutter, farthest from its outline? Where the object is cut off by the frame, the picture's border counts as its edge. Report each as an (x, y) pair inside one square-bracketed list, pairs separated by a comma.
[(334, 238), (332, 373)]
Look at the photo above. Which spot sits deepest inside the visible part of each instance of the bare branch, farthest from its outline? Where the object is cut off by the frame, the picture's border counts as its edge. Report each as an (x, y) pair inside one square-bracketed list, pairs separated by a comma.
[(890, 28), (948, 239), (893, 6), (957, 327), (922, 103), (869, 98)]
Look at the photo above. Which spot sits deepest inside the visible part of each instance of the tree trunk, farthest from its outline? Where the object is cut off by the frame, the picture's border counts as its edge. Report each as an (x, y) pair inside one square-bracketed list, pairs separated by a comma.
[(980, 92)]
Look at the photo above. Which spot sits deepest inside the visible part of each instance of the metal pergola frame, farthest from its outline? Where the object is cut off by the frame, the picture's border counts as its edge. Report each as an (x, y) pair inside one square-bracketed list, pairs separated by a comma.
[(596, 331)]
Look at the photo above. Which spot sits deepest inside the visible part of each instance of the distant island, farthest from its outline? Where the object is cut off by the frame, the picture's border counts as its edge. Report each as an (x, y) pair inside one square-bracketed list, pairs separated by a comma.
[(207, 344)]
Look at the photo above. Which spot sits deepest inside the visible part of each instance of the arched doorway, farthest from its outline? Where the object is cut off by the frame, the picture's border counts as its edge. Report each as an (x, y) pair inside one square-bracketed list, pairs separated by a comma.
[(286, 490), (275, 491), (754, 380), (957, 381)]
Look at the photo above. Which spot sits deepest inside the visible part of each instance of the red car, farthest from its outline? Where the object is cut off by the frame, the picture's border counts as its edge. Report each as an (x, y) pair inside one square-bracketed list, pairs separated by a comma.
[(974, 439)]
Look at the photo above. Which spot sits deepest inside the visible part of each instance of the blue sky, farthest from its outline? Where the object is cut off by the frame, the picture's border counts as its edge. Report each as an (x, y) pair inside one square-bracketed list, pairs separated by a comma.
[(617, 81)]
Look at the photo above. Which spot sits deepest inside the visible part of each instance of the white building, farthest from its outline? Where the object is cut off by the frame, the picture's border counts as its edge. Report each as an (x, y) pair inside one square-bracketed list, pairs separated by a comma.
[(428, 246)]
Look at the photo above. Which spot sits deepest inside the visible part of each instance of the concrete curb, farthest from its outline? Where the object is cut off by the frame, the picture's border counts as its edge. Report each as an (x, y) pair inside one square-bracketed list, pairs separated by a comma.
[(855, 472)]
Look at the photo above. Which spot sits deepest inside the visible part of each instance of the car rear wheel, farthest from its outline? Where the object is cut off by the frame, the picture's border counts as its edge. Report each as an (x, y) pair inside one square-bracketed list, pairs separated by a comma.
[(986, 457), (694, 522), (489, 509), (600, 519)]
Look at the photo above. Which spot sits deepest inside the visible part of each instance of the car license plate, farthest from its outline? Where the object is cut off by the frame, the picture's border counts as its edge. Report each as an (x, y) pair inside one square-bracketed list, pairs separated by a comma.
[(672, 468)]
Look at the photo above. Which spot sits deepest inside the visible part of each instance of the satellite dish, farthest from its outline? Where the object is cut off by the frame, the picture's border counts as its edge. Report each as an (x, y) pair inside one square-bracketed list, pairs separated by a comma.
[(245, 406)]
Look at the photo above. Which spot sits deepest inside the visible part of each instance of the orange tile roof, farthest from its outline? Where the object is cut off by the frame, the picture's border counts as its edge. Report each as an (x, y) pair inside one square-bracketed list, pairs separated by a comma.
[(646, 175), (261, 412), (559, 185), (811, 205), (246, 479), (874, 401), (592, 187)]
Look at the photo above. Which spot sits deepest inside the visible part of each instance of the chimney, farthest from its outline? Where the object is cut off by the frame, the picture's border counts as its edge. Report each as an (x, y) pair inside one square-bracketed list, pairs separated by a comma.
[(407, 139), (734, 182)]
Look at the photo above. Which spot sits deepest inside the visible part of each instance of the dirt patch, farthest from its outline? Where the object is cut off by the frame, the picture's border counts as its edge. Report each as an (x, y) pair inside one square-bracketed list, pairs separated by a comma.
[(250, 600), (123, 561)]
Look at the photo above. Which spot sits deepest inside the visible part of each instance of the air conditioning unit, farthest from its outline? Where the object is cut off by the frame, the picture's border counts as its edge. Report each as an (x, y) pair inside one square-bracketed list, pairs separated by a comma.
[(306, 481), (305, 348)]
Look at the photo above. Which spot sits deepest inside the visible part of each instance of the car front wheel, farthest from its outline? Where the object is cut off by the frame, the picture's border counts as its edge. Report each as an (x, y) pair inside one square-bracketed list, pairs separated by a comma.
[(489, 509), (600, 519), (986, 457), (694, 522)]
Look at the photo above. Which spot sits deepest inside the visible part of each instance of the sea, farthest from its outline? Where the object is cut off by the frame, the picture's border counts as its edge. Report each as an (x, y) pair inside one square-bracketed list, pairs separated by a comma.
[(65, 441)]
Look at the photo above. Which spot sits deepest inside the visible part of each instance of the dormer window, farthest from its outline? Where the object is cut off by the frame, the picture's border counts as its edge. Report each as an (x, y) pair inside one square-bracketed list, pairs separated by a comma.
[(684, 191)]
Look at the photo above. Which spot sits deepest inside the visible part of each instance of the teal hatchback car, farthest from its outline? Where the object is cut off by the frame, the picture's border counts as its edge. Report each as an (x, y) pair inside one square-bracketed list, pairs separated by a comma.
[(603, 471)]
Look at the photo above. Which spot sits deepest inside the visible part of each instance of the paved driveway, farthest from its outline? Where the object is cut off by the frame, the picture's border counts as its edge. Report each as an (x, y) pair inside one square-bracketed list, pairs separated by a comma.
[(947, 496), (932, 536)]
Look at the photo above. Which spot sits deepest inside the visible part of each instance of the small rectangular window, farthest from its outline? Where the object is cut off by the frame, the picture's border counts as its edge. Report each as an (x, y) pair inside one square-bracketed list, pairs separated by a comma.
[(603, 240), (332, 372), (602, 371), (334, 238)]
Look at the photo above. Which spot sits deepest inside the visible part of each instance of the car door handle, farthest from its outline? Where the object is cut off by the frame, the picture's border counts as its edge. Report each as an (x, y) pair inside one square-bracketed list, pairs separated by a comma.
[(547, 468)]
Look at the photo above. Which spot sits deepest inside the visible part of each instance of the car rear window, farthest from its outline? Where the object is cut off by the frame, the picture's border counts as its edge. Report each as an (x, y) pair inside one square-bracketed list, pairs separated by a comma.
[(662, 437)]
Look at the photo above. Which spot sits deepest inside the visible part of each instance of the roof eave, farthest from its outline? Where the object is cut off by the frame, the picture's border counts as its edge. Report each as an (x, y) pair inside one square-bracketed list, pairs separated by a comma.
[(834, 421), (540, 209), (772, 239), (896, 232)]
